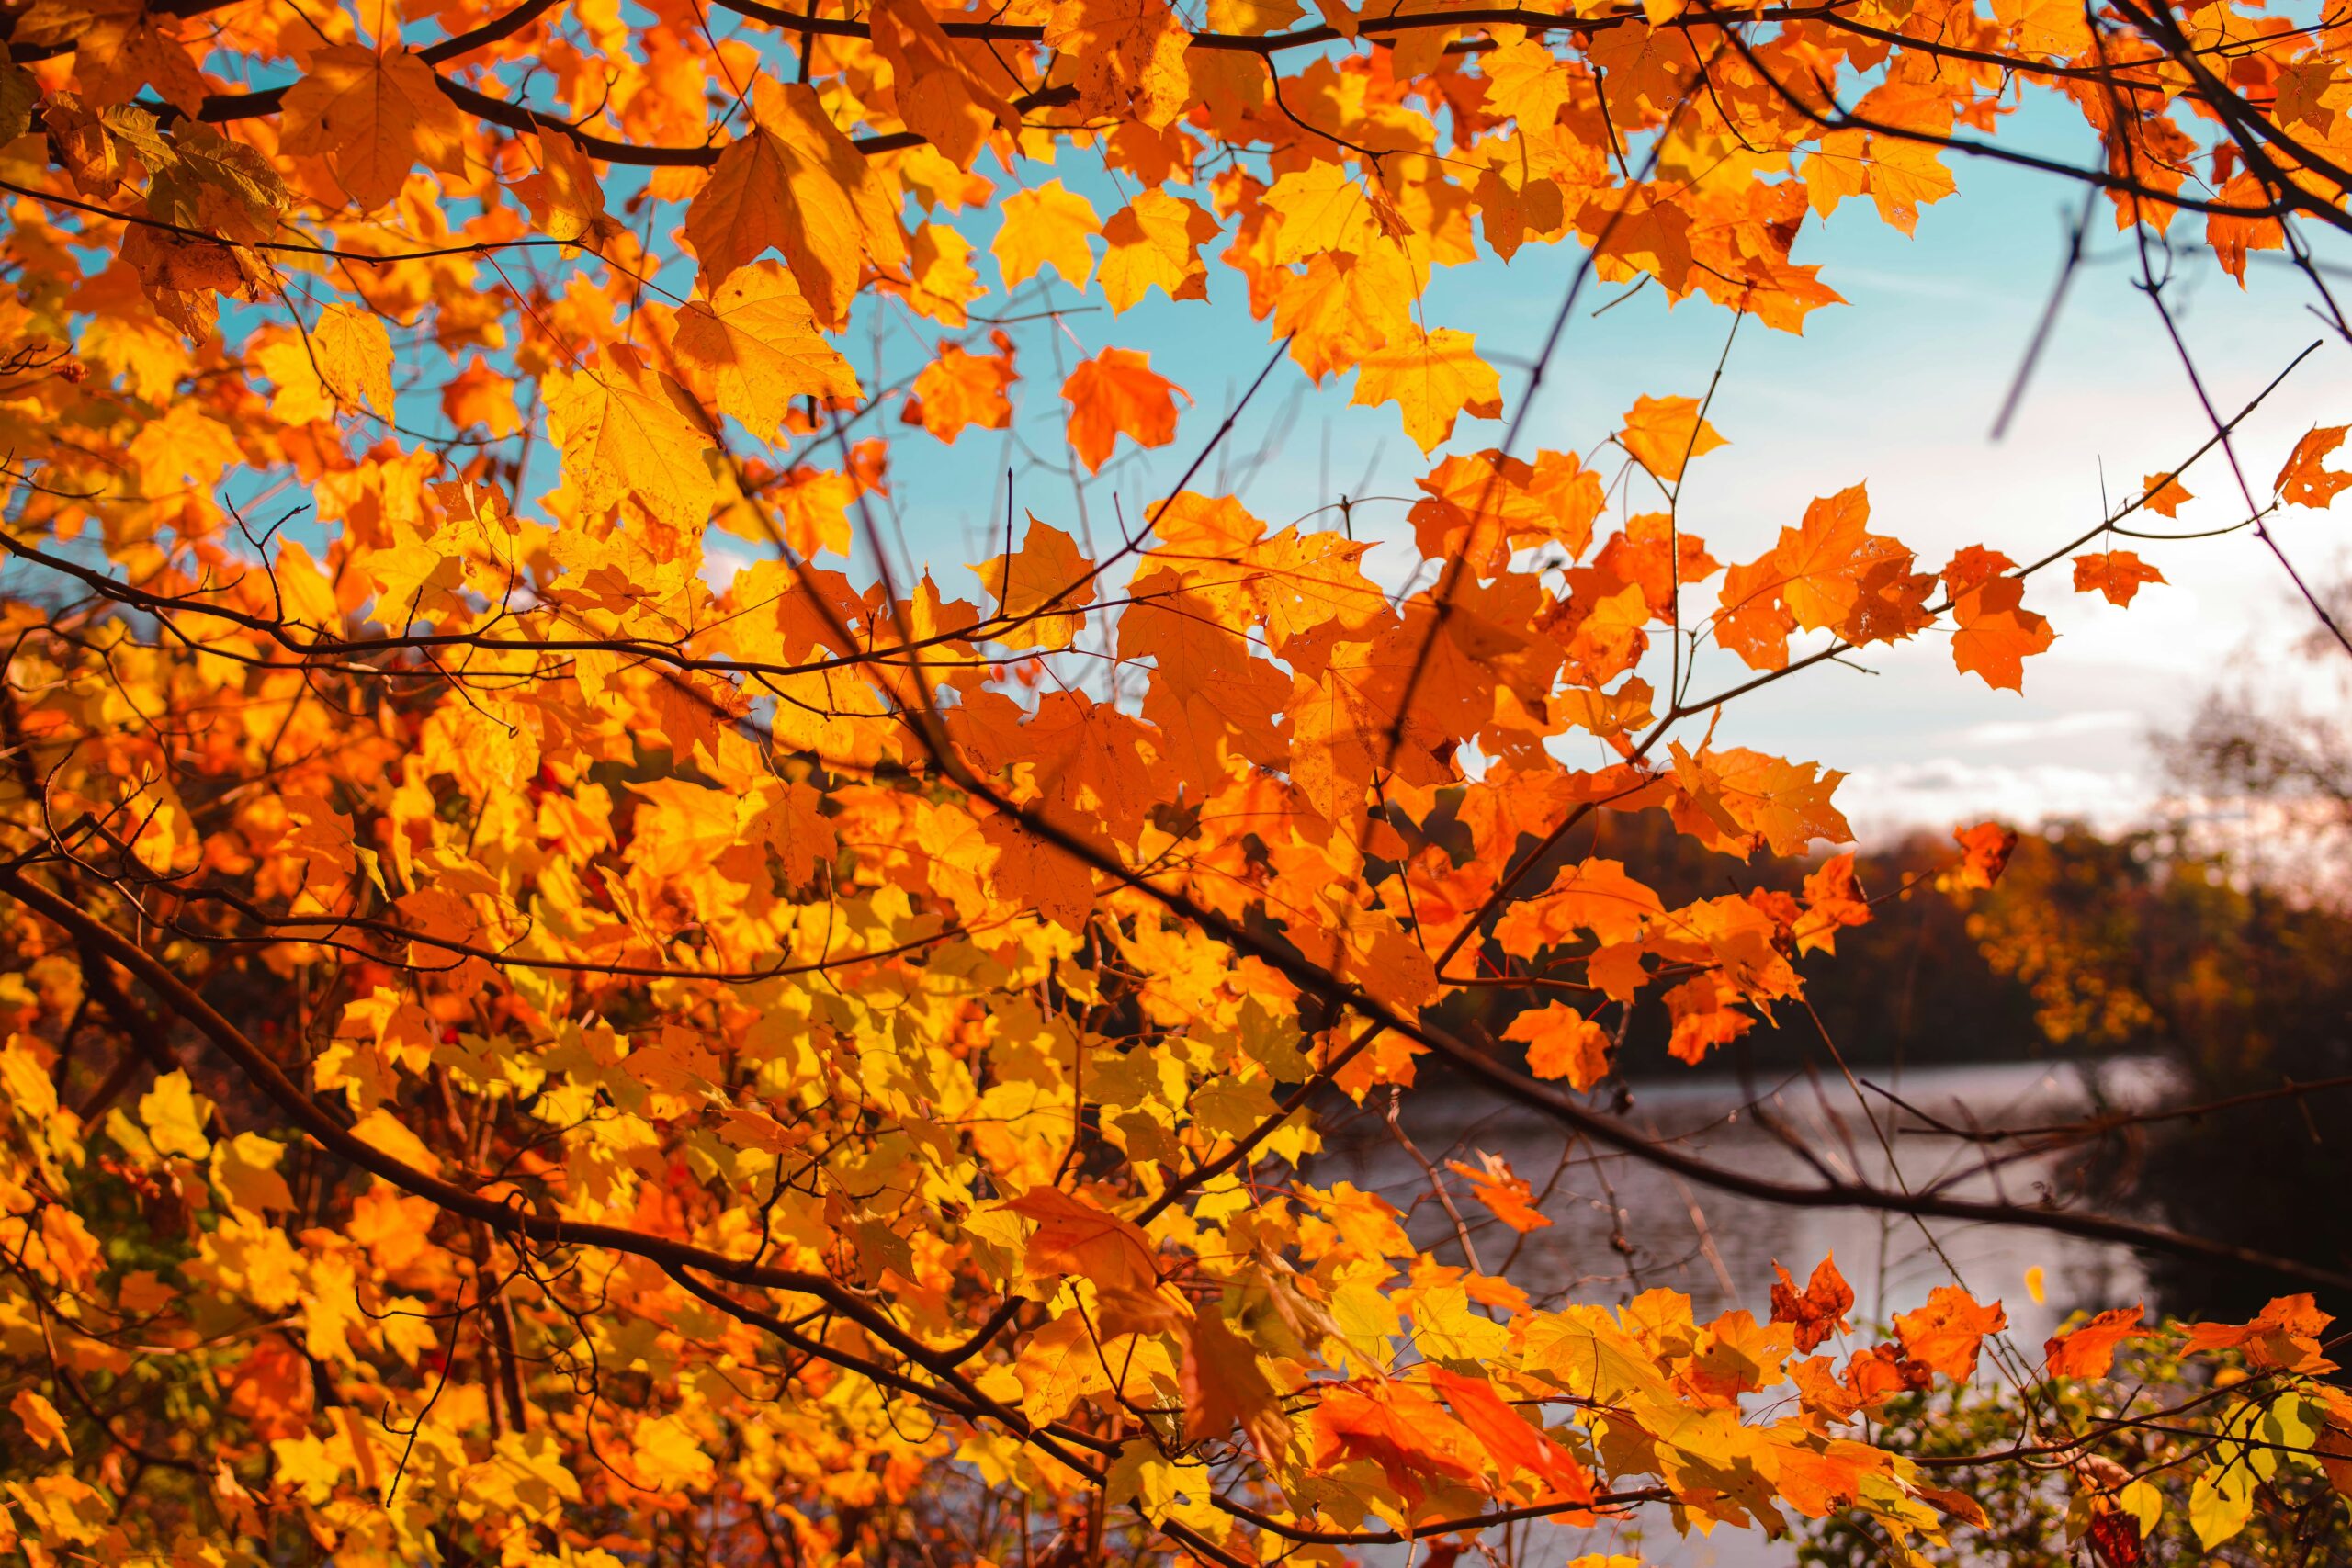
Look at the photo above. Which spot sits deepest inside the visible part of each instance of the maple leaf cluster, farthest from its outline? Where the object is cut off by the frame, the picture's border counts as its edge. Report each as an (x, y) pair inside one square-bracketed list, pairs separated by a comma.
[(566, 999)]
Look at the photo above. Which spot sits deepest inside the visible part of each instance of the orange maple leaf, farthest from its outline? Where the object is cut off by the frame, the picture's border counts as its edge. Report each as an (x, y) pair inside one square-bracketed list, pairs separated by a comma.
[(1074, 1237), (960, 389), (1819, 1310), (1408, 1436), (2119, 574), (1944, 1334), (1434, 377), (2164, 494), (1515, 1445), (2088, 1351), (1833, 899), (1593, 895), (1483, 505), (1502, 1189), (1664, 434), (1224, 1387), (1985, 854), (1118, 393), (945, 97), (2285, 1334), (1996, 633), (2306, 480), (1562, 1044)]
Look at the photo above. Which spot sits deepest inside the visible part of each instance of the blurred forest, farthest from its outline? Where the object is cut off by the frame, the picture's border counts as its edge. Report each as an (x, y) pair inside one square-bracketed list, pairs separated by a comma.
[(2213, 944)]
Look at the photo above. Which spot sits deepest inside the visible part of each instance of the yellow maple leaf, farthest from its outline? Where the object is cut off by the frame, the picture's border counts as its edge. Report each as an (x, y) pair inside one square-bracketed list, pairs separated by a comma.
[(666, 1456), (42, 1423), (941, 280), (1343, 308), (1042, 588), (1432, 378), (757, 340), (174, 1115), (1046, 227), (354, 354), (1324, 209), (564, 195), (623, 432), (1155, 242), (1664, 434), (1129, 56)]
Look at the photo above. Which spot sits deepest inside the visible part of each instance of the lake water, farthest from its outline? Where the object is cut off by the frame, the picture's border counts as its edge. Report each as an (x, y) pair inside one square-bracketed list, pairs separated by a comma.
[(1621, 1225)]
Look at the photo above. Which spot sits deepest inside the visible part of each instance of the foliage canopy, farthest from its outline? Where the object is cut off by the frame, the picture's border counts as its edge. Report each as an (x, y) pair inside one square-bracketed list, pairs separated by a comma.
[(566, 1000)]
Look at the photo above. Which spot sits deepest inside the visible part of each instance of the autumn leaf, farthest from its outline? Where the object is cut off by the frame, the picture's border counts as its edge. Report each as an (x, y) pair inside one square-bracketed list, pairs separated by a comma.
[(1738, 800), (1210, 698), (174, 1117), (1594, 894), (624, 429), (373, 117), (2119, 574), (1943, 1336), (794, 183), (1819, 1312), (353, 355), (1074, 1237), (1985, 848), (1041, 589), (757, 341), (1114, 393), (1516, 1446), (1155, 242), (2089, 1350), (1405, 1434), (1996, 633), (1224, 1387), (1046, 227), (1342, 308), (42, 1424), (945, 97), (565, 197), (1485, 506), (2285, 1334), (2164, 494), (1324, 209), (1663, 434), (667, 1456), (1502, 1190), (942, 282), (960, 389), (1833, 901), (2306, 480), (1434, 377), (1129, 56), (1562, 1043), (1828, 573)]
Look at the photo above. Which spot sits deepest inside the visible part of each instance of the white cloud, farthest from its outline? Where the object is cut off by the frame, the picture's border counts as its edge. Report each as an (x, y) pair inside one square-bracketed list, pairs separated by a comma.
[(2036, 731), (1886, 801)]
